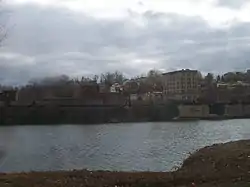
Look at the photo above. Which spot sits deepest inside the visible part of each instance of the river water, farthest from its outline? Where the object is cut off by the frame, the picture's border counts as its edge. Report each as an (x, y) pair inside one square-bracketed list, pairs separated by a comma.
[(120, 147)]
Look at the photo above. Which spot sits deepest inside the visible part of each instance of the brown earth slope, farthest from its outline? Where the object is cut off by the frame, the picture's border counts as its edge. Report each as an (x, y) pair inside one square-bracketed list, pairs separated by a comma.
[(222, 165)]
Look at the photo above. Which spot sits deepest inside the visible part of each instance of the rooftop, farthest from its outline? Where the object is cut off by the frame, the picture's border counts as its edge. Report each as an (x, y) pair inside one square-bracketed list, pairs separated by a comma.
[(179, 71)]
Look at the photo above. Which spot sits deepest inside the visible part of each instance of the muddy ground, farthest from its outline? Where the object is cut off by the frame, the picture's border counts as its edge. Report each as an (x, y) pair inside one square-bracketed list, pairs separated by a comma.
[(222, 165)]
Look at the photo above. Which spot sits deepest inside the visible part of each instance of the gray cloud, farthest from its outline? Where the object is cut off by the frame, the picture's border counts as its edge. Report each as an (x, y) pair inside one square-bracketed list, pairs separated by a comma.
[(234, 4), (50, 41)]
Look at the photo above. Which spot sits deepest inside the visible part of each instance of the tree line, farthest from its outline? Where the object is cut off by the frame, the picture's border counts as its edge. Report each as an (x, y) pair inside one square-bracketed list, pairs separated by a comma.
[(151, 81), (229, 77)]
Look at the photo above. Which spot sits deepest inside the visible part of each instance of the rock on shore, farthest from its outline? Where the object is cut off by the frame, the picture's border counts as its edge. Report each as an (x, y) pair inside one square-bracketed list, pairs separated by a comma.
[(221, 165)]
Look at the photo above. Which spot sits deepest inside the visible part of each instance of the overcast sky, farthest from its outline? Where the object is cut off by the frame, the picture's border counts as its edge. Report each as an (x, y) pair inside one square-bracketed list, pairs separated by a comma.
[(83, 37)]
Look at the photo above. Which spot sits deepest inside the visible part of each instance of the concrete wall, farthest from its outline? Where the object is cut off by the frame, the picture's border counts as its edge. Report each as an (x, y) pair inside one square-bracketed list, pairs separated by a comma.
[(134, 97), (114, 99), (90, 99), (193, 111), (61, 115), (246, 110), (234, 110), (183, 97), (96, 101), (202, 111)]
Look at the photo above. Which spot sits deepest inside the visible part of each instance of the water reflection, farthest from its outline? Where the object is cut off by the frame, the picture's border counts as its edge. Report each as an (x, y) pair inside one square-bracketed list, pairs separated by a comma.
[(134, 146)]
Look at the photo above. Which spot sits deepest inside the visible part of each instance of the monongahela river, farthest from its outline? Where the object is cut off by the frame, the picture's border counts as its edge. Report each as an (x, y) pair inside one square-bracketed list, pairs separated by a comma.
[(122, 147)]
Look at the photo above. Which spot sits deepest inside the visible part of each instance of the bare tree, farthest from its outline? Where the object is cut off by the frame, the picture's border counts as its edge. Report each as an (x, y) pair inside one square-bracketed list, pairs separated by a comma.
[(109, 78), (209, 78), (218, 78), (154, 80)]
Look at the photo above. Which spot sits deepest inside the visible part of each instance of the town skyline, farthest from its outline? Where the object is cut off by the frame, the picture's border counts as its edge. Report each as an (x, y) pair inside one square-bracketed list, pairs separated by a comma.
[(122, 77)]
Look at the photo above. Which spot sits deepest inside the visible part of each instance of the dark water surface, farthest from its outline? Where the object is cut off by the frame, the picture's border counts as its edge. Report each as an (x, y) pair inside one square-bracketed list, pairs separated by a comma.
[(132, 146)]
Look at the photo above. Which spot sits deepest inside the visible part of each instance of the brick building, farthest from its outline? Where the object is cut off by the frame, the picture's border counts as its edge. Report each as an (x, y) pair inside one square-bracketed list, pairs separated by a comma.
[(182, 85)]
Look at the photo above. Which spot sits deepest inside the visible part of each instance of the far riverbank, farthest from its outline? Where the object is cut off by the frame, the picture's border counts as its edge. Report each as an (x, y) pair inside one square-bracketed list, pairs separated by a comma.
[(84, 114)]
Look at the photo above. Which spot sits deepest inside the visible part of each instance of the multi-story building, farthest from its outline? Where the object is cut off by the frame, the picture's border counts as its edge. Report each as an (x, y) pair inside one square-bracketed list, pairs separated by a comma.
[(182, 85), (248, 73), (233, 92), (8, 96)]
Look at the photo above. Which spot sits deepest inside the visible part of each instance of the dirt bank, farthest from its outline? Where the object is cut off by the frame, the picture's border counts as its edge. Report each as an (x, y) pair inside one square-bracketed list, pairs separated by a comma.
[(223, 165)]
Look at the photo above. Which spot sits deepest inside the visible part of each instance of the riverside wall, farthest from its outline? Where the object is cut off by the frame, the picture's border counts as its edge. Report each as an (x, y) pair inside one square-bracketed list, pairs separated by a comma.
[(83, 114), (214, 111)]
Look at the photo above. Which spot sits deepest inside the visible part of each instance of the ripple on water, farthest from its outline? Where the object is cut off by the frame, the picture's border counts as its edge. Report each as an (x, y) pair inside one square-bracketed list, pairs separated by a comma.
[(134, 146)]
